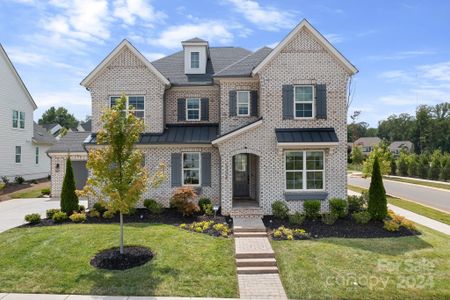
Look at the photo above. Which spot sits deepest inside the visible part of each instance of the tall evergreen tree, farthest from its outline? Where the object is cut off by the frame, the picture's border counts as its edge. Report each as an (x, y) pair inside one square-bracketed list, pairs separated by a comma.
[(377, 205), (69, 200)]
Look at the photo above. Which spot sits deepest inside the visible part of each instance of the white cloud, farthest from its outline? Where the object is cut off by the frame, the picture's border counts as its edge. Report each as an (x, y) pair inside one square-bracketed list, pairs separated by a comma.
[(212, 31), (265, 17), (273, 45), (129, 10), (56, 98), (334, 38), (398, 75), (439, 71), (402, 55)]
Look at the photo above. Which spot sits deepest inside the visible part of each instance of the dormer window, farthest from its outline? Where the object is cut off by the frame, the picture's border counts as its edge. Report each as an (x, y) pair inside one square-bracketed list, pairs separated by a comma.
[(195, 60), (195, 56)]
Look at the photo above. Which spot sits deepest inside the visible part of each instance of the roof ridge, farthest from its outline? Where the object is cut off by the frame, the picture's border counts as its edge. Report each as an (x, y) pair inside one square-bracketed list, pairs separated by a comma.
[(229, 66)]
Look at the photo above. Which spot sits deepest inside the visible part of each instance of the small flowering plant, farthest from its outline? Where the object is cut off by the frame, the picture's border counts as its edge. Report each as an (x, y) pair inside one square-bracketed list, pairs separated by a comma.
[(283, 233)]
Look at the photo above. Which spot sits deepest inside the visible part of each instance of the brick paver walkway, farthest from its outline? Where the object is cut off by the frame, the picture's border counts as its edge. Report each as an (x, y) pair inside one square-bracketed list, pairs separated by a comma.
[(256, 265)]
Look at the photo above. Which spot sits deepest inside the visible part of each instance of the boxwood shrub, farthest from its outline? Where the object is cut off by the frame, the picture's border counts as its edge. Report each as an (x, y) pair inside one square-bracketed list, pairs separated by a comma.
[(311, 208)]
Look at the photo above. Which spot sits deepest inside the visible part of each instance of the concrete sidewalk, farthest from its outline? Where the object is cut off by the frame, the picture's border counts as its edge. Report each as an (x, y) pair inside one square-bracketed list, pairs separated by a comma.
[(416, 218), (89, 297)]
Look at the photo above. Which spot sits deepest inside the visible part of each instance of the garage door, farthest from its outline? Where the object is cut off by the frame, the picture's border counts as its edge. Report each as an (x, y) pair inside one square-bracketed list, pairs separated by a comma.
[(80, 173)]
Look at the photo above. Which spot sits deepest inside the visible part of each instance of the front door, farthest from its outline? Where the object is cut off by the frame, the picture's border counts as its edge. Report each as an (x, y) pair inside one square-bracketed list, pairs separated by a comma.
[(241, 176)]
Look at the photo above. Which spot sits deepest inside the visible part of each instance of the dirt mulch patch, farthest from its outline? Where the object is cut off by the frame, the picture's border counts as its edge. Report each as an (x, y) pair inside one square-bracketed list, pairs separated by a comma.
[(11, 188), (343, 228), (169, 216), (111, 259)]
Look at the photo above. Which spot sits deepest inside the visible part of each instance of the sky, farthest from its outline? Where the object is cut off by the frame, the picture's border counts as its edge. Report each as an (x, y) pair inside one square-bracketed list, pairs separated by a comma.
[(401, 48)]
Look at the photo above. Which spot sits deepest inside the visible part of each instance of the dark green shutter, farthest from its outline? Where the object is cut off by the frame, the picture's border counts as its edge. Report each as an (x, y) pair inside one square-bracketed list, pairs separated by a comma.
[(206, 169), (254, 103), (181, 109), (232, 103), (205, 109), (288, 101), (321, 101), (176, 169)]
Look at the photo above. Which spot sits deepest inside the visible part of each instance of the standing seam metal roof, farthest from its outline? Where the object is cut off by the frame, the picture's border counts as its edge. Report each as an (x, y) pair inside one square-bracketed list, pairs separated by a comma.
[(306, 135)]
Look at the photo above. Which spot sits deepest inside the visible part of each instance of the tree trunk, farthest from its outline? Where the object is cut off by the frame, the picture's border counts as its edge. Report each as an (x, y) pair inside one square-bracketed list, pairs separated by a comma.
[(121, 233)]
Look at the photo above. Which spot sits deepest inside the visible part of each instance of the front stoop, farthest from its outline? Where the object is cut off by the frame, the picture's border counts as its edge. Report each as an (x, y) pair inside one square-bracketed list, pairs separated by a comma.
[(247, 212), (257, 269)]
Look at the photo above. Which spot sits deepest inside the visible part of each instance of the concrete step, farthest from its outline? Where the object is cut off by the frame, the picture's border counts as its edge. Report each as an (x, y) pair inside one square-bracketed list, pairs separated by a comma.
[(256, 262), (257, 270), (247, 229), (255, 255), (250, 234)]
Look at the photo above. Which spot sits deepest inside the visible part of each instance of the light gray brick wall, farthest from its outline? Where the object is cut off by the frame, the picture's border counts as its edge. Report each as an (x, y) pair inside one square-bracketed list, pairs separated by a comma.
[(127, 74), (303, 60), (57, 174), (228, 123), (173, 94)]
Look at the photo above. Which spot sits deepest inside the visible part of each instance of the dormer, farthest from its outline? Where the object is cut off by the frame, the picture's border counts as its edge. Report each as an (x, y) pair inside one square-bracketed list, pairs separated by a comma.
[(195, 56)]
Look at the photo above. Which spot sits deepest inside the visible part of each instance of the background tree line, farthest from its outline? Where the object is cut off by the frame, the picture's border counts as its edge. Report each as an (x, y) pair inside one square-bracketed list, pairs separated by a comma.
[(428, 130)]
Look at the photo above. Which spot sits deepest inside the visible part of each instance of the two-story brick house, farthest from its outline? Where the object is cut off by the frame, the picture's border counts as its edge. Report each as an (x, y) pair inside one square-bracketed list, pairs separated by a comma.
[(245, 128)]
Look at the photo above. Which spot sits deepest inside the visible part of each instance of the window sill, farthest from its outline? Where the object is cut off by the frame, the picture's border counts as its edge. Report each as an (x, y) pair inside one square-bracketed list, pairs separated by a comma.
[(299, 196)]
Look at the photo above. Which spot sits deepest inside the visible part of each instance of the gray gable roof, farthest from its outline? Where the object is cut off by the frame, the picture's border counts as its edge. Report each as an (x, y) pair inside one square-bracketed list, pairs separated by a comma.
[(178, 134), (400, 145), (368, 141), (72, 141), (245, 65), (172, 66), (87, 126), (41, 136), (195, 40), (49, 126), (306, 135)]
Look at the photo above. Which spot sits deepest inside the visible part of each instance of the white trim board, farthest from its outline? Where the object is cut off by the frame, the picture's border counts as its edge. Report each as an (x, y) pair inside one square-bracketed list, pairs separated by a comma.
[(237, 132), (305, 24), (125, 43)]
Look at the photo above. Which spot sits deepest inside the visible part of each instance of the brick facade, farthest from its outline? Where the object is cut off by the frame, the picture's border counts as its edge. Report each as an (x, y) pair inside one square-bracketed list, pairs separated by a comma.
[(302, 61)]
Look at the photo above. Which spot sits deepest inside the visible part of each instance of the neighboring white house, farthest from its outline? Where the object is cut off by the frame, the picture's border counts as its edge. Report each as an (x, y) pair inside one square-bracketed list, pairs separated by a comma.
[(23, 144)]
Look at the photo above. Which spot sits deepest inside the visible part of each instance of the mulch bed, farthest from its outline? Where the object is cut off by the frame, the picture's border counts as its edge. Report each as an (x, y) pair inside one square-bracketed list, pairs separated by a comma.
[(111, 259), (169, 216), (14, 187), (343, 228)]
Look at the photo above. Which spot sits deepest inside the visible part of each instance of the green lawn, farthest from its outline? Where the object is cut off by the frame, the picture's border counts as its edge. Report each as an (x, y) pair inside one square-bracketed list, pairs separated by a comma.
[(33, 193), (56, 260), (424, 183), (415, 267), (413, 206)]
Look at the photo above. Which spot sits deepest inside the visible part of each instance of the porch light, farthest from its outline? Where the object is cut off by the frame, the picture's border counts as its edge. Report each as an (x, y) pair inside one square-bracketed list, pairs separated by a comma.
[(57, 168), (216, 209)]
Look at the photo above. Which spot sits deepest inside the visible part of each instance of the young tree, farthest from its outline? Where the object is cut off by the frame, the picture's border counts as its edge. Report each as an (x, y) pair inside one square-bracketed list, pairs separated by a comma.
[(377, 205), (118, 177), (58, 115), (357, 155), (445, 170), (402, 162), (69, 199), (384, 158), (435, 166)]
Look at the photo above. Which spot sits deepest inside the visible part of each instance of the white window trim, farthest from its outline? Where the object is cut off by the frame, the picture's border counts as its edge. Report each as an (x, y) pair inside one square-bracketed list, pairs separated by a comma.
[(36, 157), (18, 120), (199, 168), (15, 155), (313, 102), (199, 109), (127, 104), (304, 171), (190, 59), (237, 104)]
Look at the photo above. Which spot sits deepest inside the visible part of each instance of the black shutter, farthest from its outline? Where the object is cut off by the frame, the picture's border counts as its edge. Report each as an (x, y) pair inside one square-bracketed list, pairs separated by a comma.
[(288, 102), (176, 169), (254, 103), (321, 101), (181, 109), (206, 169), (205, 109), (232, 103)]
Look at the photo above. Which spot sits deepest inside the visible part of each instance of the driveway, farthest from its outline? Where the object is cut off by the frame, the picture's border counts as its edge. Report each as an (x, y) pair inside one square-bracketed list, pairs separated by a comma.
[(12, 212), (439, 199)]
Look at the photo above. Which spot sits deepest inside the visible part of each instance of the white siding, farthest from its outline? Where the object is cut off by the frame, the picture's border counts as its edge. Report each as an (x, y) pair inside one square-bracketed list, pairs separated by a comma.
[(13, 97)]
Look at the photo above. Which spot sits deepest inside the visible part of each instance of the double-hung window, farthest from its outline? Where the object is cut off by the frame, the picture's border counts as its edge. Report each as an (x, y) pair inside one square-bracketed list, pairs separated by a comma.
[(195, 60), (243, 103), (18, 119), (18, 154), (193, 109), (191, 168), (304, 101), (304, 170), (134, 104), (37, 155)]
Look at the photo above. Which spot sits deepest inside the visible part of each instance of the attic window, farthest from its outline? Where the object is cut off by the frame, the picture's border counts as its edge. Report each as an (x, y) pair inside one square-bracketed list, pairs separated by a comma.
[(195, 60)]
